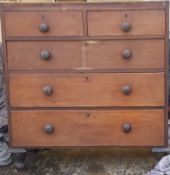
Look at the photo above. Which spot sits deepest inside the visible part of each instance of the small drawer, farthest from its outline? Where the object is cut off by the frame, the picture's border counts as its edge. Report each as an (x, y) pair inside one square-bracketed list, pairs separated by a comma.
[(88, 128), (44, 23), (125, 54), (134, 22), (87, 90), (44, 55)]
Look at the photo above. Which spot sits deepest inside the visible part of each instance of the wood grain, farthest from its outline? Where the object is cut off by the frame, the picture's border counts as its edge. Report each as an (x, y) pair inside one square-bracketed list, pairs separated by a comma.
[(89, 6), (92, 54), (61, 23), (88, 128), (87, 89), (143, 22), (86, 109), (26, 55), (108, 54)]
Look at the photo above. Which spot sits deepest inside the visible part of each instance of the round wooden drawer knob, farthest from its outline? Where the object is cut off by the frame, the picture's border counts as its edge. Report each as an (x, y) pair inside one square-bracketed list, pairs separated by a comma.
[(47, 90), (49, 129), (126, 89), (45, 55), (127, 53), (44, 27), (126, 127), (126, 26)]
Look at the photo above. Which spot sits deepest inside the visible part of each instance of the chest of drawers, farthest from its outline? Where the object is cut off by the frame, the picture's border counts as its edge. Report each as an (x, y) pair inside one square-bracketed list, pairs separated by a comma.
[(86, 74)]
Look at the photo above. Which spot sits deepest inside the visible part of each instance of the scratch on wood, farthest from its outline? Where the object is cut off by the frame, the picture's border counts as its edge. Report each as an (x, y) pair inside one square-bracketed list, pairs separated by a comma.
[(83, 55)]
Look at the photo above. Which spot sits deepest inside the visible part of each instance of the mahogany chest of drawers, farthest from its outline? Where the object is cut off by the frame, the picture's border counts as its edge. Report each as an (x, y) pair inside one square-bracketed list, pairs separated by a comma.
[(86, 74)]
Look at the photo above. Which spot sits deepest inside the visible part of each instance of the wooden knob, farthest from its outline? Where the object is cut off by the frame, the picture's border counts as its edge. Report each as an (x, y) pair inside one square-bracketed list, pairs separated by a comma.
[(126, 127), (48, 129), (43, 27), (127, 53), (45, 55), (126, 26), (47, 90), (126, 89)]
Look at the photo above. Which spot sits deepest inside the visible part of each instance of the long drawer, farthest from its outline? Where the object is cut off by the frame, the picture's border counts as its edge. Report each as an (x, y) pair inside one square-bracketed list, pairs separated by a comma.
[(44, 23), (87, 128), (87, 89), (116, 54), (134, 22)]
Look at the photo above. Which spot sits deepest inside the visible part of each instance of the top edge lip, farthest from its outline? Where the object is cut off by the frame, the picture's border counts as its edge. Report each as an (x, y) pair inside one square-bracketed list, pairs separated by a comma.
[(81, 3)]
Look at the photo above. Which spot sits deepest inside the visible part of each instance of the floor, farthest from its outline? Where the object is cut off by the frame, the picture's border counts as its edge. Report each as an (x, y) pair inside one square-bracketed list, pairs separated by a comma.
[(87, 161)]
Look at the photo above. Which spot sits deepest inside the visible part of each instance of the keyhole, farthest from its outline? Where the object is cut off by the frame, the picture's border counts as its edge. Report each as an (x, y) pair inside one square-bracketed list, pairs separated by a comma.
[(87, 78), (87, 114), (126, 15), (43, 18)]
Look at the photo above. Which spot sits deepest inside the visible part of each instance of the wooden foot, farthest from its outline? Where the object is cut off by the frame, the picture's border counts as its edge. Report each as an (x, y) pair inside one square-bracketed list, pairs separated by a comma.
[(20, 160)]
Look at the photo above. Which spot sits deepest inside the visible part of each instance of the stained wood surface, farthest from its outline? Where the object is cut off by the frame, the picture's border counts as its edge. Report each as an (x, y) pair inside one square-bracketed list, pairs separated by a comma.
[(108, 54), (90, 6), (92, 39), (143, 22), (26, 55), (93, 89), (60, 23), (92, 54), (88, 128)]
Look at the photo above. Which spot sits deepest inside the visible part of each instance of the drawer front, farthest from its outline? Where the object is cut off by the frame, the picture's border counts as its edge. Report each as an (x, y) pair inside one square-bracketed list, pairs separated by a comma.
[(141, 22), (88, 128), (44, 23), (44, 55), (126, 54), (117, 54), (93, 89)]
